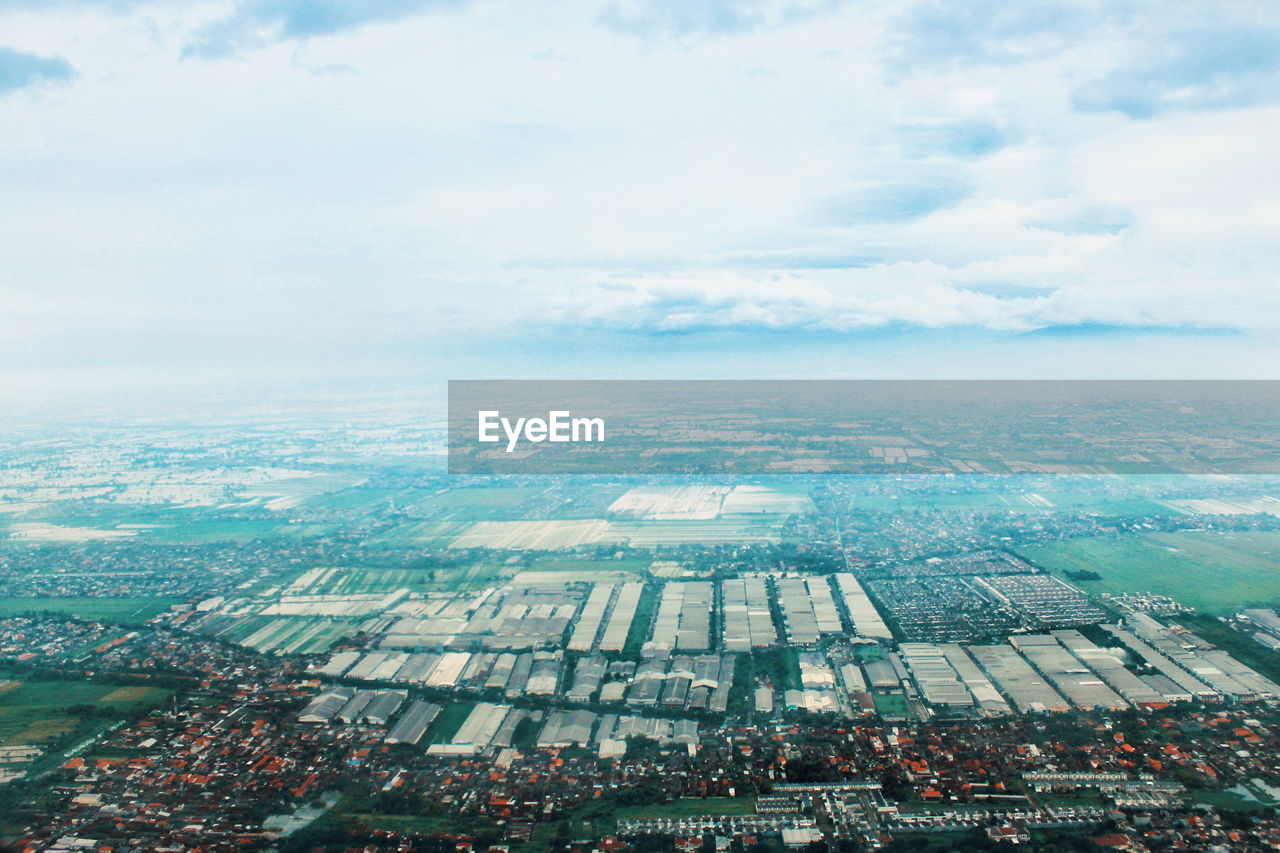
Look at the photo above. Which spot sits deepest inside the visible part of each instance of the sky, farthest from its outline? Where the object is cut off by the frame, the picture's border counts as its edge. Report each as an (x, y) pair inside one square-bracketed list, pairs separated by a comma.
[(233, 194)]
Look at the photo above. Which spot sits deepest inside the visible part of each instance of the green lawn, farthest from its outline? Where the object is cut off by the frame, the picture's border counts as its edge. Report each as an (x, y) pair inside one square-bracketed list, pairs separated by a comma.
[(1022, 502), (686, 806), (125, 611), (58, 714), (479, 504), (446, 725), (892, 705), (1215, 572), (638, 631), (1240, 646)]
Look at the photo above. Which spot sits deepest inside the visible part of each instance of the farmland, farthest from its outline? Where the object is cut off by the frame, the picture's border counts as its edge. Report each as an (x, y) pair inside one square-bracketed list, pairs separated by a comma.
[(54, 715), (540, 535), (286, 635), (1020, 502), (1214, 572), (713, 532), (125, 611)]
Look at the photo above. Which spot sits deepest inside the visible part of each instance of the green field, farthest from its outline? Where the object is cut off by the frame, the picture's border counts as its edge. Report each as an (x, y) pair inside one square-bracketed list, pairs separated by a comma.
[(479, 504), (446, 725), (687, 806), (718, 531), (55, 715), (1218, 573), (359, 580), (892, 705), (576, 571), (639, 628), (125, 611), (1029, 502), (1240, 646), (420, 533), (203, 530)]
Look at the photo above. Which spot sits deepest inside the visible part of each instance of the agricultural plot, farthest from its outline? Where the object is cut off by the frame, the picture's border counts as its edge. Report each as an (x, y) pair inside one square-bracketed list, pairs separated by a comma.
[(420, 534), (363, 581), (125, 611), (42, 532), (479, 504), (1021, 502), (295, 491), (534, 535), (203, 528), (703, 503), (39, 720), (714, 532), (363, 498), (670, 503), (289, 636), (1215, 572), (1227, 506), (285, 635), (581, 571), (759, 500)]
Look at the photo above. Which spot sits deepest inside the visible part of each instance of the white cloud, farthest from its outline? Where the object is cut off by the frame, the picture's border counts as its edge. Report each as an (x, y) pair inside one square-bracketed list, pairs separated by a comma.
[(500, 170)]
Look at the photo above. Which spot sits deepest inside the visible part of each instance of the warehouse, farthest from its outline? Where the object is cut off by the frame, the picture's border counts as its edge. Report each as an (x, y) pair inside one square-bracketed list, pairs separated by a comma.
[(355, 706), (367, 665), (380, 708), (797, 611), (824, 606), (476, 732), (1111, 669), (507, 731), (339, 663), (719, 702), (413, 724), (567, 728), (939, 684), (501, 672), (544, 674), (587, 627), (322, 708), (748, 622), (418, 667), (866, 619), (519, 679), (619, 625), (390, 665), (1072, 678), (683, 621), (449, 669), (881, 674), (984, 692), (1025, 688), (1186, 682), (587, 676)]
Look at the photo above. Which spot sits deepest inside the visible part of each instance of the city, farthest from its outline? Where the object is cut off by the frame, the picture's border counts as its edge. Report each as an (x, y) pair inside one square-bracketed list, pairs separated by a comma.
[(272, 639)]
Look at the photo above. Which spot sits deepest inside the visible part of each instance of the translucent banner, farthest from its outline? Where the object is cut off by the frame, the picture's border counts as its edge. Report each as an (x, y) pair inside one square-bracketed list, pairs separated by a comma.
[(863, 427)]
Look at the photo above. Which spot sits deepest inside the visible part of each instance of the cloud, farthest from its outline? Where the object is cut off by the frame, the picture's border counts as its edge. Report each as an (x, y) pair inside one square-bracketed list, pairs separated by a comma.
[(888, 203), (967, 139), (677, 19), (1089, 220), (21, 70), (907, 295), (1205, 68), (474, 192), (257, 22), (963, 32)]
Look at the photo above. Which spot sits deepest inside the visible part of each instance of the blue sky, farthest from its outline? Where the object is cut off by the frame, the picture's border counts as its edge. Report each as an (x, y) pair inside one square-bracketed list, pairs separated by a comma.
[(277, 189)]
